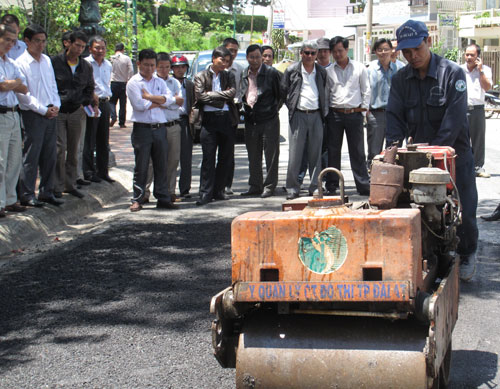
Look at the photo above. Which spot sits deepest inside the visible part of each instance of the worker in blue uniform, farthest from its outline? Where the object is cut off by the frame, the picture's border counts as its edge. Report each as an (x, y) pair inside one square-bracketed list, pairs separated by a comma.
[(428, 102)]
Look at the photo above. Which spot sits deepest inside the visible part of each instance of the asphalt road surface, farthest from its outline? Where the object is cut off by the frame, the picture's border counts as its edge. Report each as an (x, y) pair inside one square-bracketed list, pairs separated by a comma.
[(124, 303)]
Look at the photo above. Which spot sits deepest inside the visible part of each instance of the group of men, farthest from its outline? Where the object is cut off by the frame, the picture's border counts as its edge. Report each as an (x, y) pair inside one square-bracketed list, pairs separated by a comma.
[(63, 97), (62, 105)]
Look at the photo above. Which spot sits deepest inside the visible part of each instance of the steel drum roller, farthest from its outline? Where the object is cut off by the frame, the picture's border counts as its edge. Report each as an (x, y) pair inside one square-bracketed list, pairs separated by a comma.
[(302, 351)]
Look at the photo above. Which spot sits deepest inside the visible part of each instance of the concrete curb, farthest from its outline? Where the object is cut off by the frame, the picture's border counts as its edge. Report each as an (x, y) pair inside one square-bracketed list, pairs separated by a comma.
[(24, 230)]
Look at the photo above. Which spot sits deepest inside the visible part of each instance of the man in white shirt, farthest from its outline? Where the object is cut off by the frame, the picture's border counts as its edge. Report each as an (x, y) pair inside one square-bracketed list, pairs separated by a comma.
[(121, 73), (172, 115), (11, 82), (148, 96), (479, 80), (349, 97), (95, 168), (19, 47), (236, 69), (39, 110), (303, 86)]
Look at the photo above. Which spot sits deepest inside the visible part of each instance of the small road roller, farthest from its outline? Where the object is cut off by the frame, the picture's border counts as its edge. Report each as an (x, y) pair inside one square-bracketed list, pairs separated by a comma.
[(332, 294)]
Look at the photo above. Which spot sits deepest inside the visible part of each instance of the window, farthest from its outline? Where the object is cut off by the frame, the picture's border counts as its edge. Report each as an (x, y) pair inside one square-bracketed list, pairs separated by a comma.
[(417, 2), (491, 4)]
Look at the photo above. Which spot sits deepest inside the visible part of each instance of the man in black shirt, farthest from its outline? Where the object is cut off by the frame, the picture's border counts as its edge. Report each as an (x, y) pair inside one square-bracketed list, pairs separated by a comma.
[(75, 84)]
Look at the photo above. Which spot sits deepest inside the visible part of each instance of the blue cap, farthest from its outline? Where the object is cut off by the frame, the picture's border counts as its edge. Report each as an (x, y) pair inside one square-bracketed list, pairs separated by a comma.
[(411, 34)]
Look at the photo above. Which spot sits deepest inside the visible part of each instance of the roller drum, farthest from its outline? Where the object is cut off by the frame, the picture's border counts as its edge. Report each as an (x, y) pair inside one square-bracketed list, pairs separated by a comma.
[(307, 351)]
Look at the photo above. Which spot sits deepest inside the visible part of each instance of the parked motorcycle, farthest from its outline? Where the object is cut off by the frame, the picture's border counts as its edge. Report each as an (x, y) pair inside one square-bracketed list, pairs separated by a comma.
[(492, 102)]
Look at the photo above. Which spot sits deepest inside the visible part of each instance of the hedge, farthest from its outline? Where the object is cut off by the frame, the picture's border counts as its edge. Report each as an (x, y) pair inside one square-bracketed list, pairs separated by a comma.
[(243, 22)]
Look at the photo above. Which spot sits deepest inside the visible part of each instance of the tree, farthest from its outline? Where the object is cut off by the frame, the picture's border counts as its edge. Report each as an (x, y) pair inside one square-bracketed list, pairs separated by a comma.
[(217, 5), (59, 16)]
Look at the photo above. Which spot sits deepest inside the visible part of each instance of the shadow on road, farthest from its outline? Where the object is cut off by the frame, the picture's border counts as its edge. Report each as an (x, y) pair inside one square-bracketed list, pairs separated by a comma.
[(465, 377)]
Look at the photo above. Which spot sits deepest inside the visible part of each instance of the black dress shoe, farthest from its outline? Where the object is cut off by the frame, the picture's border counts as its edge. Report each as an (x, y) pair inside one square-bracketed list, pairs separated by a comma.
[(106, 178), (75, 193), (221, 196), (266, 194), (93, 178), (494, 216), (292, 195), (50, 200), (203, 201), (186, 195), (251, 193), (57, 194), (330, 192), (166, 205), (81, 181), (15, 208), (32, 203)]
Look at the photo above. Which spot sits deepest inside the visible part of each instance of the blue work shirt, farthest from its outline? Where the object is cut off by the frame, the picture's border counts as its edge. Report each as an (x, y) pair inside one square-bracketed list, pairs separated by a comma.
[(432, 110), (380, 83)]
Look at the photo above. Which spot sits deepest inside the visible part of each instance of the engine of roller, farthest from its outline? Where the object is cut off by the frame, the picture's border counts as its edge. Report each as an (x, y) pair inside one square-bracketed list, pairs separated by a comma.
[(333, 294)]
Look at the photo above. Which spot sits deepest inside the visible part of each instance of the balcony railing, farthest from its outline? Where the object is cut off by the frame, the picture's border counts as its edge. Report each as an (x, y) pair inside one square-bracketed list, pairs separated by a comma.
[(480, 19), (454, 5)]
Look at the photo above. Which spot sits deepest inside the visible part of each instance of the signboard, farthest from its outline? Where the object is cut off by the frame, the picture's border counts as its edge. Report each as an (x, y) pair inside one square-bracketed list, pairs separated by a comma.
[(322, 291), (279, 19)]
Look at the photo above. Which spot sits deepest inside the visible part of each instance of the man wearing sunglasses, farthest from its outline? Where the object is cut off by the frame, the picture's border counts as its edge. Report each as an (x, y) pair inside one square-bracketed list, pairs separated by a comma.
[(304, 89), (349, 97)]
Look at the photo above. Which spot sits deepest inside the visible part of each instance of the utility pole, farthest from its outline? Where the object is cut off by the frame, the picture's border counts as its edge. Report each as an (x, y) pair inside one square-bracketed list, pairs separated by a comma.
[(234, 19), (126, 18), (134, 38), (270, 23), (251, 25), (368, 44)]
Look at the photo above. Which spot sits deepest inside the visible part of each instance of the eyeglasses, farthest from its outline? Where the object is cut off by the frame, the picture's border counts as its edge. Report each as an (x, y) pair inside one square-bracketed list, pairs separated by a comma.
[(309, 52), (36, 40), (384, 50)]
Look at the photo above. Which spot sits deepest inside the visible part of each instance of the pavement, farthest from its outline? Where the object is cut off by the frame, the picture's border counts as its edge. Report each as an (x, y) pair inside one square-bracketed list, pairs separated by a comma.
[(20, 232)]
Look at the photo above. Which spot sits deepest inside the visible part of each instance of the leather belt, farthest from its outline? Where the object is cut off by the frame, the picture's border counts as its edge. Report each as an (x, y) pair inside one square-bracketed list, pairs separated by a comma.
[(103, 99), (4, 109), (153, 126), (308, 110), (377, 109), (348, 110), (216, 113), (473, 107), (172, 123)]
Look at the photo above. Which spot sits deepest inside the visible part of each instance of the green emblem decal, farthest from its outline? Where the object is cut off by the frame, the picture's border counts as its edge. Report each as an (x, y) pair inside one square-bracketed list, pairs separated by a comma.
[(325, 252), (460, 85)]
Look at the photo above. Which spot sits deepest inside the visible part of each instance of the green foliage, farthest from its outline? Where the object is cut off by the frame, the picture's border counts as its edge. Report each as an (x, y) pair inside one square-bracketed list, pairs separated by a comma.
[(486, 14), (216, 5), (58, 16), (437, 47), (180, 34), (278, 39), (452, 54), (206, 19), (220, 30), (154, 38)]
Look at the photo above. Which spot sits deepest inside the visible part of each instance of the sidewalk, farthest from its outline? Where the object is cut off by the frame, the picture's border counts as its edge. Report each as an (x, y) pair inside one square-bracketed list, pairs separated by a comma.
[(19, 231)]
